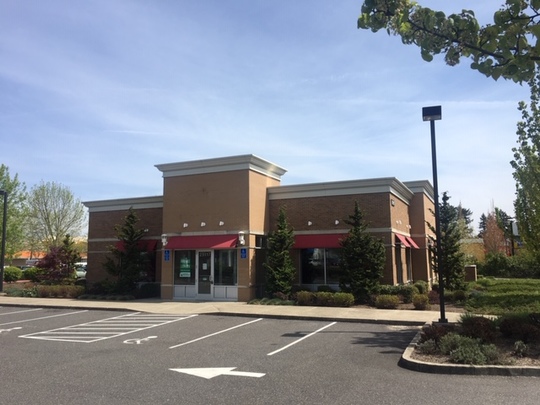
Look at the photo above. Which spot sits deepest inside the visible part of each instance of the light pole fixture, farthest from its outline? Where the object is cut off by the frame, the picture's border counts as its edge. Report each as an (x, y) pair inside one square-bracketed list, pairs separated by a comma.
[(3, 247), (433, 114)]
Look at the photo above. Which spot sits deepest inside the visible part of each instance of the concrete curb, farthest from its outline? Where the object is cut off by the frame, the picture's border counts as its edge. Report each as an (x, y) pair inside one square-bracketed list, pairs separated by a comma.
[(406, 361), (321, 318)]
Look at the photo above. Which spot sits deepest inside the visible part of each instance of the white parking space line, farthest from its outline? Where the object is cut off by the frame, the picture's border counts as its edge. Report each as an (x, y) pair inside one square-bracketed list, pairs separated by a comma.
[(216, 333), (106, 328), (20, 312), (299, 340), (43, 317)]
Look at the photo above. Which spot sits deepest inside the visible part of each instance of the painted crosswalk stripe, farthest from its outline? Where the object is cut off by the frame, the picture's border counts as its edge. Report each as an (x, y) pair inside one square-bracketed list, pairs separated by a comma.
[(106, 328)]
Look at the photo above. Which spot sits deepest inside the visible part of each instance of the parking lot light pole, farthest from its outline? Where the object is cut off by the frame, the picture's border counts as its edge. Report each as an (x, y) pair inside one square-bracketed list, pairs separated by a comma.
[(433, 114), (3, 249)]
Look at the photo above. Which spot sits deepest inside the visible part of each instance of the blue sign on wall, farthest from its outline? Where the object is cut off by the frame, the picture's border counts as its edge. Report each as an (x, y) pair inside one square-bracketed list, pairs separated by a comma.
[(243, 253), (167, 255)]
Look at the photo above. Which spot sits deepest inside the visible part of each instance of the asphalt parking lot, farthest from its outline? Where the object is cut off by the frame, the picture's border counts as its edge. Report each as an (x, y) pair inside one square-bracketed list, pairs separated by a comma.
[(61, 356)]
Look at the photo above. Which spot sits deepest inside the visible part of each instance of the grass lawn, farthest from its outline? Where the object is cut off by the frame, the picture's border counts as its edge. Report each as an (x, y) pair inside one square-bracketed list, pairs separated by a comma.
[(501, 296)]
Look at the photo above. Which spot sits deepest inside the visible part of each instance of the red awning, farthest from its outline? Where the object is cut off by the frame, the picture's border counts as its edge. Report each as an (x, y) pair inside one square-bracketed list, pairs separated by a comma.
[(202, 242), (412, 243), (318, 241), (403, 240)]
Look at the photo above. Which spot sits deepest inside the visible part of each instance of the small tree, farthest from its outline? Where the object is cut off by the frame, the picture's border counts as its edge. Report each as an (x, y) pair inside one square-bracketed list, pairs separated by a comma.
[(128, 261), (58, 265), (493, 235), (452, 258), (279, 266), (362, 259)]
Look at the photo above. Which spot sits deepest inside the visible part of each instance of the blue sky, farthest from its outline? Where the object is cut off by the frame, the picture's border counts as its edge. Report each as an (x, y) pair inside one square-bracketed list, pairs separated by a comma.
[(93, 94)]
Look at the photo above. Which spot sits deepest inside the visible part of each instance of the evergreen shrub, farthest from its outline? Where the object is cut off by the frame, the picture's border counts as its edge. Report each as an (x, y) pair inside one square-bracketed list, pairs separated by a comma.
[(12, 274), (422, 286), (387, 301), (421, 302)]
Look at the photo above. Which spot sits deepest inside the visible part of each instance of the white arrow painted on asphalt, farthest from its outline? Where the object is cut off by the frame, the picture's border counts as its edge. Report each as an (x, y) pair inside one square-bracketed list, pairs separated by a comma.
[(211, 372)]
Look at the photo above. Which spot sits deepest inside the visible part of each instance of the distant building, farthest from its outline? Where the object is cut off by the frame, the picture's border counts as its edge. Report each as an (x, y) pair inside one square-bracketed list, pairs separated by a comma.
[(207, 233)]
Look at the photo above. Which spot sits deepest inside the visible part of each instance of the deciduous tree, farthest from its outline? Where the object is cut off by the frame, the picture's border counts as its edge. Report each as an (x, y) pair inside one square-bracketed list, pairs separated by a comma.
[(54, 212), (493, 235), (508, 48), (526, 165), (16, 212), (58, 265)]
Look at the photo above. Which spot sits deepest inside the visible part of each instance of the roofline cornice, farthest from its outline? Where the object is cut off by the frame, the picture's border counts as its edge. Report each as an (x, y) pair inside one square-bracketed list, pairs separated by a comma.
[(223, 164), (123, 204)]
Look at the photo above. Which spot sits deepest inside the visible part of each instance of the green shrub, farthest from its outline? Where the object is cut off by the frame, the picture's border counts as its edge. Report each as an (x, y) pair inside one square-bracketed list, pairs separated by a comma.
[(473, 352), (452, 341), (422, 286), (53, 291), (342, 299), (407, 292), (467, 350), (12, 274), (460, 296), (323, 299), (32, 274), (520, 349), (327, 299), (428, 347), (421, 302), (404, 291), (387, 301), (305, 298)]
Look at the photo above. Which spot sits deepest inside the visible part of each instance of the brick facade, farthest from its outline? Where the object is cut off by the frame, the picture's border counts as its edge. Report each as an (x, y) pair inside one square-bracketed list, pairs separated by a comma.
[(240, 196)]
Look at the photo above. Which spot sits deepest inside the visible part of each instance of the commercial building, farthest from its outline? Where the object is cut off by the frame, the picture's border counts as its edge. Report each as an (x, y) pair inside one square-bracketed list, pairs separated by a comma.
[(206, 235)]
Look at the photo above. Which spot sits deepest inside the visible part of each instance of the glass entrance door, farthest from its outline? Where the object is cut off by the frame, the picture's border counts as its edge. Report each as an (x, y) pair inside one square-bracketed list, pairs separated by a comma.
[(204, 276)]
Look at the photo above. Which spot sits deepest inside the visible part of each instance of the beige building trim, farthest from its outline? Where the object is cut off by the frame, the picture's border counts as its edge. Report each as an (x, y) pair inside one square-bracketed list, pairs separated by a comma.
[(223, 164), (124, 204), (338, 188)]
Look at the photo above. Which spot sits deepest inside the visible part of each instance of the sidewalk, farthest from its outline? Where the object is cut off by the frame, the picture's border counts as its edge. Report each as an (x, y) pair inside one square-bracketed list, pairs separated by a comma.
[(368, 315)]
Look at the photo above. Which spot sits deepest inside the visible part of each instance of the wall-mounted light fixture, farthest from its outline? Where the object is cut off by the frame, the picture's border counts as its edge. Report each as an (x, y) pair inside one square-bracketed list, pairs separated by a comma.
[(336, 222), (309, 223), (392, 202), (241, 238), (203, 223), (221, 223), (185, 225), (164, 239)]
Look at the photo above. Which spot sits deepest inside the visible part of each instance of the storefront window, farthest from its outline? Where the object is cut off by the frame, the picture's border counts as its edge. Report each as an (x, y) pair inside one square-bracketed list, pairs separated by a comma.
[(225, 267), (184, 267), (320, 266)]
